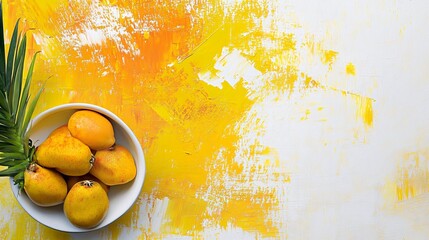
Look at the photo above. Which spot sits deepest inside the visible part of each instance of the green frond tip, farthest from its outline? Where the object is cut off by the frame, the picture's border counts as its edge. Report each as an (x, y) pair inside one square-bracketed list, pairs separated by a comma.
[(18, 179), (16, 105), (14, 170)]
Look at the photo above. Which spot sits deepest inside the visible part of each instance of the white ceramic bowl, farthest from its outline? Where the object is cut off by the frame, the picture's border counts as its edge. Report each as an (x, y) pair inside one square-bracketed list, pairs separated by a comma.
[(121, 197)]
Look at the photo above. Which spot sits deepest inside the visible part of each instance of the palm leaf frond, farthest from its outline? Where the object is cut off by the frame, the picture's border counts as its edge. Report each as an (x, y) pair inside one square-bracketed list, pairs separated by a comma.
[(2, 55), (10, 63), (16, 107)]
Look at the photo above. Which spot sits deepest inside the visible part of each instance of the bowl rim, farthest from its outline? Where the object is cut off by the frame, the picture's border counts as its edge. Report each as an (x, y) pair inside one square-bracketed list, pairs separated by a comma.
[(128, 131)]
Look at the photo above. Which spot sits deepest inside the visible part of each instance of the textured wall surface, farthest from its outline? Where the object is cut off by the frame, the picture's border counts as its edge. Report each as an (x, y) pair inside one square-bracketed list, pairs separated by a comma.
[(258, 119)]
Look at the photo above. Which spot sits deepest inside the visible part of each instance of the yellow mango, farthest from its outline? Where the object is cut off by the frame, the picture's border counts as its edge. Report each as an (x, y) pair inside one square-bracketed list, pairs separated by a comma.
[(45, 187), (65, 153), (114, 166), (92, 128), (86, 204)]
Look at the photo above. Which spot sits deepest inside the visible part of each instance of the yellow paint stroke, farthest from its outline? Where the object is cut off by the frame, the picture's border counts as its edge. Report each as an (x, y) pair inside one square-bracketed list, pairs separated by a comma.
[(364, 109), (350, 69), (309, 82), (412, 178), (307, 113), (364, 104), (329, 57)]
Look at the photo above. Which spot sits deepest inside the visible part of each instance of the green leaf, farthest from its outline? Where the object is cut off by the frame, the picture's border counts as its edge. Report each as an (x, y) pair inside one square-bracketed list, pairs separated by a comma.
[(12, 171), (12, 155), (11, 56), (30, 109), (8, 142), (6, 123), (25, 98), (19, 177), (2, 53), (16, 106), (8, 131), (3, 102), (15, 92), (10, 162), (12, 142)]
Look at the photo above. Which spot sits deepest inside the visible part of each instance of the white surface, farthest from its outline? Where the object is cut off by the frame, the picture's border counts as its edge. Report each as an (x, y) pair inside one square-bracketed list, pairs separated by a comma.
[(121, 197)]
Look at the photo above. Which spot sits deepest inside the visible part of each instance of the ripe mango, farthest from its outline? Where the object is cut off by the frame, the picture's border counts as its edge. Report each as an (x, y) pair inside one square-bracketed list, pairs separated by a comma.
[(86, 204), (114, 166), (92, 128), (65, 153), (45, 187)]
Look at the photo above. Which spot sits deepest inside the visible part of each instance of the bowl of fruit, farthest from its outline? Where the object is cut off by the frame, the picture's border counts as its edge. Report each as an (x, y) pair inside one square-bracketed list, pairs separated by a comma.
[(87, 168), (76, 167)]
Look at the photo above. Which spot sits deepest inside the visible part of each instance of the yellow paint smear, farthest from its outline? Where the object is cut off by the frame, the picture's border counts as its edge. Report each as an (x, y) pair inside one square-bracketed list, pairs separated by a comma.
[(412, 178), (350, 69), (364, 104), (244, 212), (329, 57), (199, 130), (364, 109)]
